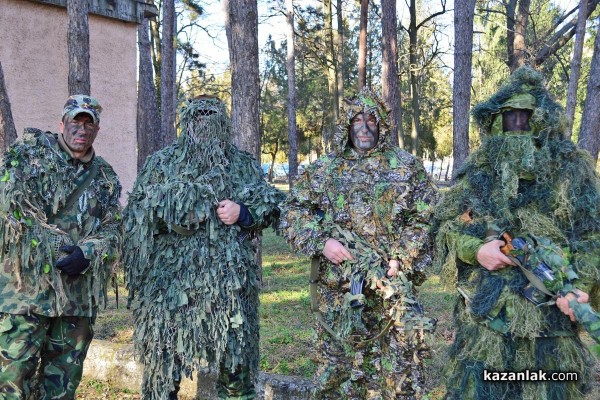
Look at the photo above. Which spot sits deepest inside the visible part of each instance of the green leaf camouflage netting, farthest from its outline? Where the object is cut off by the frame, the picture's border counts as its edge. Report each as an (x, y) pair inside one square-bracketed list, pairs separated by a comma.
[(37, 178), (378, 204), (193, 279)]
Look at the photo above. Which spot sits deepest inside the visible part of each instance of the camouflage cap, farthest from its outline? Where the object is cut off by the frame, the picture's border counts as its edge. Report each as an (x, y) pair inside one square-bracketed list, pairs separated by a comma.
[(81, 103)]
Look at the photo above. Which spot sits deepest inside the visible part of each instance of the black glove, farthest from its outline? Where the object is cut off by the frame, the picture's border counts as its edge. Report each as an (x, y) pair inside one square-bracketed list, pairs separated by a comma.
[(74, 263)]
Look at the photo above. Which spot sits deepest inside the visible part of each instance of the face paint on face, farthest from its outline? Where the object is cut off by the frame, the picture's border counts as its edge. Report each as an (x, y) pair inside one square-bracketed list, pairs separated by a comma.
[(364, 132), (516, 120), (79, 133)]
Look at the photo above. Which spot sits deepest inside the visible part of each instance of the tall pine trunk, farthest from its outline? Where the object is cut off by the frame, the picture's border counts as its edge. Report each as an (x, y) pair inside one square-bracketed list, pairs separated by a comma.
[(414, 85), (78, 47), (576, 66), (241, 26), (463, 56), (389, 71), (8, 132), (362, 44), (520, 45), (291, 73), (167, 79), (589, 135), (340, 51), (148, 119)]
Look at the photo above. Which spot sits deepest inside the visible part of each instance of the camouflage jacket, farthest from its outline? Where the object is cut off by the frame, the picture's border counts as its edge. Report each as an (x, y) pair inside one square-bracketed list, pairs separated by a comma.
[(37, 177), (377, 203)]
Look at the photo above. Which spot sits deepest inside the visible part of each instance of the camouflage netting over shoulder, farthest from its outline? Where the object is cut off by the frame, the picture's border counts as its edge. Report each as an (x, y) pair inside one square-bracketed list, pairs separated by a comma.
[(36, 180), (194, 279)]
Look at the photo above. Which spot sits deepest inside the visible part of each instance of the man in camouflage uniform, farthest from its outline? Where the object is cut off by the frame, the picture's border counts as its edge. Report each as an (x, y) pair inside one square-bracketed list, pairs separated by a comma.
[(189, 255), (59, 235), (527, 179), (363, 211)]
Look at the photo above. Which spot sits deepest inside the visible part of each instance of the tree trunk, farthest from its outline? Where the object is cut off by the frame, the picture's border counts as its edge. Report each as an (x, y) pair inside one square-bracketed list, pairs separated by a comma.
[(156, 53), (362, 45), (8, 133), (167, 82), (389, 70), (148, 119), (78, 47), (589, 135), (340, 52), (331, 61), (510, 7), (576, 66), (463, 56), (241, 26), (520, 47), (291, 73), (414, 85)]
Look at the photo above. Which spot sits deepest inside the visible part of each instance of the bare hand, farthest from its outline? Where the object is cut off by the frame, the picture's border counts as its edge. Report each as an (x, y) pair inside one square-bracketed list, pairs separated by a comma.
[(491, 258), (228, 212), (335, 252), (394, 266), (563, 302)]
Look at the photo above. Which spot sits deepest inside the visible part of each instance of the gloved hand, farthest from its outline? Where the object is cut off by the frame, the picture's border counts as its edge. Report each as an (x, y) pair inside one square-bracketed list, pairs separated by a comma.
[(74, 263)]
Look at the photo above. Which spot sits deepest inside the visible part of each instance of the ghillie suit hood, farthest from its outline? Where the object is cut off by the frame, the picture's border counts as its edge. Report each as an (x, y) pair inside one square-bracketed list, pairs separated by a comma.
[(194, 278), (37, 178), (365, 102), (526, 183)]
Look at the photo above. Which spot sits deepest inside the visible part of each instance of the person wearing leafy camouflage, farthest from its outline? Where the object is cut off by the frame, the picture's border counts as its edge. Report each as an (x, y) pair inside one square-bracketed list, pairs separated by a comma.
[(60, 236), (363, 213), (189, 249), (527, 179)]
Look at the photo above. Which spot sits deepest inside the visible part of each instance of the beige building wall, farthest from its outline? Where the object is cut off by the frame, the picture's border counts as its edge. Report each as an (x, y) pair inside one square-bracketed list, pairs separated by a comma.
[(33, 52)]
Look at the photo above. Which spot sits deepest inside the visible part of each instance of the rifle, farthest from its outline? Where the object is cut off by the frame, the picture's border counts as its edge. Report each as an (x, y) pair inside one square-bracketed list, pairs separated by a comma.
[(550, 276)]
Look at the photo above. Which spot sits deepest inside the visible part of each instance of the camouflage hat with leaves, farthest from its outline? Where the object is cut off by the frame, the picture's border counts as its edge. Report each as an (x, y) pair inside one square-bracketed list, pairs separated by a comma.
[(366, 101), (524, 89), (81, 103)]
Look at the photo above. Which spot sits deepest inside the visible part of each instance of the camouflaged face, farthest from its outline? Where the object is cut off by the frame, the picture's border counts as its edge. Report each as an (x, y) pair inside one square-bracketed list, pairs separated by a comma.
[(365, 102), (525, 88), (204, 120), (82, 103)]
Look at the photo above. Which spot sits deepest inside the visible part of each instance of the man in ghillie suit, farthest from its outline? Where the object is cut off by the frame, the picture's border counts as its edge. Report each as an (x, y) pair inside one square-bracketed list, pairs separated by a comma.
[(189, 256), (59, 236), (527, 179), (363, 213)]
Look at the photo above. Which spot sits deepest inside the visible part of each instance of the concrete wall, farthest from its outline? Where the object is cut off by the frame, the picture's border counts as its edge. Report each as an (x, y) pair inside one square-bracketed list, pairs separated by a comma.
[(33, 52)]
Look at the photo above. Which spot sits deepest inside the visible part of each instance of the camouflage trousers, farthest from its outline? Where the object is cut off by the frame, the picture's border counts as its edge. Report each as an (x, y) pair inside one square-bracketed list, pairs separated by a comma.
[(365, 366), (57, 345), (230, 386)]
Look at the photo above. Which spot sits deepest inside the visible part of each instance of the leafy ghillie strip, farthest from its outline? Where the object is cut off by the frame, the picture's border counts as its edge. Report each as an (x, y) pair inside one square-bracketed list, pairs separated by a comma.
[(192, 279)]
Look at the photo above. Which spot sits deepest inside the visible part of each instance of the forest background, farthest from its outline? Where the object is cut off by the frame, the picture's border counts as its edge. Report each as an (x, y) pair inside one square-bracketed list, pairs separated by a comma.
[(404, 50)]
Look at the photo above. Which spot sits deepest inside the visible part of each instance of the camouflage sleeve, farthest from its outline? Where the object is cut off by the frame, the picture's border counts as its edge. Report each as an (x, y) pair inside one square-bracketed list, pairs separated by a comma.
[(303, 222), (104, 245), (261, 199), (414, 245)]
